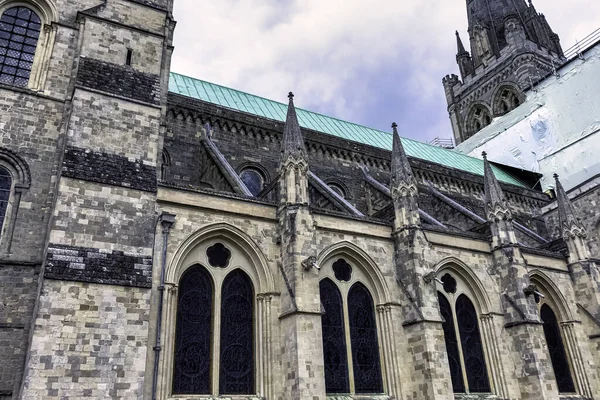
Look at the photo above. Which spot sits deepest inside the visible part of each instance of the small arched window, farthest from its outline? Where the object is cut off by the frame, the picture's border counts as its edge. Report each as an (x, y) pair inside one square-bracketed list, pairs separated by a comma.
[(20, 30), (253, 179), (197, 358), (338, 189), (506, 100), (165, 165), (5, 189), (349, 332), (560, 364), (468, 369), (478, 118)]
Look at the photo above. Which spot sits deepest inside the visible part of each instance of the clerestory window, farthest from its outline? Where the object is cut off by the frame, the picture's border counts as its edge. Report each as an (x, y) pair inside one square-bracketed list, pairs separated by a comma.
[(214, 333), (349, 332), (468, 370), (20, 30)]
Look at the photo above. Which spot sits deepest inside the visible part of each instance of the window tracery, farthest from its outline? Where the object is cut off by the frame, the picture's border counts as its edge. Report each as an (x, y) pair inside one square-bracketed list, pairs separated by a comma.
[(506, 99), (349, 332), (197, 351), (464, 345)]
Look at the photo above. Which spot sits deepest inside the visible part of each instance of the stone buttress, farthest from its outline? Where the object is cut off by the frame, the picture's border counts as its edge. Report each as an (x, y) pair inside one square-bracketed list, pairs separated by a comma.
[(521, 318), (423, 323), (91, 328), (303, 368), (585, 276)]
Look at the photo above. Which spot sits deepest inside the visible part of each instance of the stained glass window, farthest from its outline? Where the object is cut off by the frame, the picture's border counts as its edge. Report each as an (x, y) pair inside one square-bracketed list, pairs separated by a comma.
[(236, 375), (363, 341), (458, 384), (191, 372), (463, 341), (19, 33), (472, 349), (5, 187), (334, 339), (342, 270), (556, 349)]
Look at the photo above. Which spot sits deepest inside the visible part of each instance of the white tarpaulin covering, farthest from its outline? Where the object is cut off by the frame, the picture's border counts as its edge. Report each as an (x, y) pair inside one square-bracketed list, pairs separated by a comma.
[(556, 130)]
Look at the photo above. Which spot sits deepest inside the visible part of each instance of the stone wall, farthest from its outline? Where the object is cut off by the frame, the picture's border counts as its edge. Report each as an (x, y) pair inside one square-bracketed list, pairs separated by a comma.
[(90, 341)]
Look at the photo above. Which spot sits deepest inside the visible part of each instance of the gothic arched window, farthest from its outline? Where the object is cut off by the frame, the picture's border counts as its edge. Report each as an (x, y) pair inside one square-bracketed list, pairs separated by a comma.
[(468, 370), (334, 339), (562, 372), (196, 352), (479, 117), (165, 164), (349, 332), (20, 30), (5, 189), (506, 100)]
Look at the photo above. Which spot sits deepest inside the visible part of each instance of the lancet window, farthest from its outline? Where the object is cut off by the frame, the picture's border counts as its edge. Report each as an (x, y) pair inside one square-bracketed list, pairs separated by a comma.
[(468, 369), (5, 189), (205, 308), (20, 30), (558, 356), (349, 332)]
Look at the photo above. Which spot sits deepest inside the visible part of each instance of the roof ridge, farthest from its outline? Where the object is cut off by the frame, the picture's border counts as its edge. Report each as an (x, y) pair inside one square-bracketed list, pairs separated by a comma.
[(285, 105)]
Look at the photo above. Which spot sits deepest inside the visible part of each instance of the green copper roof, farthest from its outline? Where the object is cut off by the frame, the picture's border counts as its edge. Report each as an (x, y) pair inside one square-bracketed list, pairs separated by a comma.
[(248, 103)]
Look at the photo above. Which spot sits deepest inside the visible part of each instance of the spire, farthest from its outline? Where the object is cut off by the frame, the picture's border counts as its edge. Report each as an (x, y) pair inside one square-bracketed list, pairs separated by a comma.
[(292, 143), (401, 170), (459, 45), (566, 212), (494, 196)]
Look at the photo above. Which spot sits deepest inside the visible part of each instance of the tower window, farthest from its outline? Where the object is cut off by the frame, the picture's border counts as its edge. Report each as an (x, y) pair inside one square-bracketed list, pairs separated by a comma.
[(478, 118), (505, 101), (19, 33), (128, 57)]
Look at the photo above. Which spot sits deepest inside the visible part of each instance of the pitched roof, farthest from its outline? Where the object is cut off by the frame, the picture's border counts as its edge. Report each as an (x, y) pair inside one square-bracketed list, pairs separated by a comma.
[(259, 106)]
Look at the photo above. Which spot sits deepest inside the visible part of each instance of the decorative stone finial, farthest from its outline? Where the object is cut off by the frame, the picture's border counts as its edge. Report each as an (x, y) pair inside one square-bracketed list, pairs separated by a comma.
[(293, 142), (291, 96)]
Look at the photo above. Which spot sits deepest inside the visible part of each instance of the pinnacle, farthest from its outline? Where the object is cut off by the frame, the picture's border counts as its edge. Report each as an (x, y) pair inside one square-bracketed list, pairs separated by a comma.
[(293, 142), (401, 170), (493, 191), (459, 45), (566, 212)]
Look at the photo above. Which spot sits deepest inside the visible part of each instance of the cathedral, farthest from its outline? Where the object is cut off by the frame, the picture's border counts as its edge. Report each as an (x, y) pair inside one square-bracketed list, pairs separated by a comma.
[(163, 237)]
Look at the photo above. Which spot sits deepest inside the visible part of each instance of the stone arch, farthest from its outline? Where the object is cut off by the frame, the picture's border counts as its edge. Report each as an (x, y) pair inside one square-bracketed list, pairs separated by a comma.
[(470, 278), (362, 260), (478, 117), (506, 97), (244, 243), (17, 166), (556, 298)]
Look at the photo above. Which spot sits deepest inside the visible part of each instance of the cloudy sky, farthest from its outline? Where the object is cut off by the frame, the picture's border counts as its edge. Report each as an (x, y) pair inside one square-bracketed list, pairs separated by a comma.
[(367, 61)]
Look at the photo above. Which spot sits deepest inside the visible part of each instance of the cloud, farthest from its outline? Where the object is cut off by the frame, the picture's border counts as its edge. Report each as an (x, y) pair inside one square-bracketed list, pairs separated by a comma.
[(369, 62)]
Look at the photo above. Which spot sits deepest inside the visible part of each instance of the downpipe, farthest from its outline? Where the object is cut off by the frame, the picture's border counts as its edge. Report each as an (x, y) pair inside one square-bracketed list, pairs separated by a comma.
[(166, 220)]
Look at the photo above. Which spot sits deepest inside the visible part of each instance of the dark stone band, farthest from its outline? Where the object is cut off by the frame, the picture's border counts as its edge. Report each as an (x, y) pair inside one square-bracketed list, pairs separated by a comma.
[(120, 80), (109, 169), (83, 264)]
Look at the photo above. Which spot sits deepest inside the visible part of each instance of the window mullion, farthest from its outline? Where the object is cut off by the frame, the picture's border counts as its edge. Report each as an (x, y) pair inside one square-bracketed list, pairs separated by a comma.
[(216, 340), (348, 343), (463, 368)]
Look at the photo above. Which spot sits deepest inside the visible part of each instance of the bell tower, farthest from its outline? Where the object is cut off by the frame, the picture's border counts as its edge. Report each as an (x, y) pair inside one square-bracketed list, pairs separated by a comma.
[(511, 47)]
